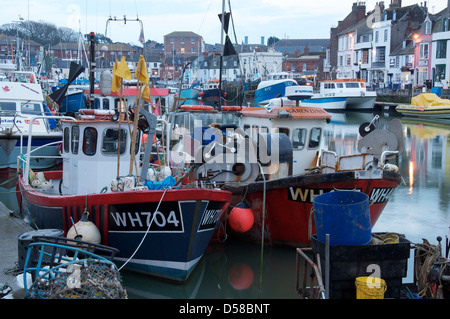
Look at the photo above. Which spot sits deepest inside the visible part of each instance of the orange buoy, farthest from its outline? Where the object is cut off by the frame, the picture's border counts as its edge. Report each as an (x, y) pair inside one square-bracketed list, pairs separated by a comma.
[(231, 108), (241, 218), (240, 276)]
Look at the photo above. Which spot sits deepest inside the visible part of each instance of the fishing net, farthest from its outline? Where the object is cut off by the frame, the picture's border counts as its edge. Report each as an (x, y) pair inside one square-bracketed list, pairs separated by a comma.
[(60, 268), (83, 279)]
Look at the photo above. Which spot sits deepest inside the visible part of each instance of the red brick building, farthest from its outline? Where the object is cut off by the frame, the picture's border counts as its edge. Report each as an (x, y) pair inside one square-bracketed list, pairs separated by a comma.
[(183, 43)]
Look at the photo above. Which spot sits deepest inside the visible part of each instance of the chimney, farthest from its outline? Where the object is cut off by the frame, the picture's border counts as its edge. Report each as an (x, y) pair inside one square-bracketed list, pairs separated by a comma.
[(306, 50), (246, 38), (262, 40)]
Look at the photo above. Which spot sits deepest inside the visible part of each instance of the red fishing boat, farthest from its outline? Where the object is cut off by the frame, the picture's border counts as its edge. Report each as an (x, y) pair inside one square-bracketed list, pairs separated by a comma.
[(291, 169), (160, 228)]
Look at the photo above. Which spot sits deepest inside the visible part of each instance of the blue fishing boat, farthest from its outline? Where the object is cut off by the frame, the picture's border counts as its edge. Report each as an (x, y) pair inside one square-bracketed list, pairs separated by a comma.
[(190, 91), (275, 86)]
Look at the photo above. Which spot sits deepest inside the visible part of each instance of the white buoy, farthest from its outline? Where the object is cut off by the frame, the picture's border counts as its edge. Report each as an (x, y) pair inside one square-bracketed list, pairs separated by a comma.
[(85, 230)]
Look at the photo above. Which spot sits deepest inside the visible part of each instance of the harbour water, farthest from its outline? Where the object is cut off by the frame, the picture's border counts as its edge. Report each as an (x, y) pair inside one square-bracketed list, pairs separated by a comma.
[(419, 208)]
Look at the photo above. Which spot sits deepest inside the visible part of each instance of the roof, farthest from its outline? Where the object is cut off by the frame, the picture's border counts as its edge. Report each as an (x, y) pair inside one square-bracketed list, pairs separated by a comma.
[(297, 112), (186, 34)]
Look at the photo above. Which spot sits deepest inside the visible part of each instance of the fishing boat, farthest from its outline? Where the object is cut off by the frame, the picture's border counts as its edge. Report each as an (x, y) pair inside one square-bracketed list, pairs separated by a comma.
[(190, 91), (286, 168), (160, 228), (342, 94), (427, 105), (210, 91), (274, 86), (21, 99)]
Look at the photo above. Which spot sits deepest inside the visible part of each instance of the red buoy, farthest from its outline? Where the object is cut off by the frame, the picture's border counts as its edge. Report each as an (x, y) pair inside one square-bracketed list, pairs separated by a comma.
[(240, 276), (241, 218)]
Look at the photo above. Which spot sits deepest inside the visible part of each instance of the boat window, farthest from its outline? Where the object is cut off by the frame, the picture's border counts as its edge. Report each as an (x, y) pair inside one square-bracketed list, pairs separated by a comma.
[(110, 141), (352, 85), (30, 108), (106, 104), (89, 141), (97, 103), (339, 85), (7, 106), (75, 139), (299, 138), (66, 140), (247, 129), (314, 139), (264, 129)]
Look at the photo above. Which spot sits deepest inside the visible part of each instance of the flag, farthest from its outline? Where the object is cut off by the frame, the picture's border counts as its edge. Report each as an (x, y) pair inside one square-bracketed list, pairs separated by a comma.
[(141, 36), (141, 71), (122, 71), (156, 110), (74, 72), (145, 93), (116, 81)]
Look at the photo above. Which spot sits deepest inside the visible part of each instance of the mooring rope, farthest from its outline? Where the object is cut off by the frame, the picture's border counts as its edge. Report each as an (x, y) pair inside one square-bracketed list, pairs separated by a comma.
[(147, 231)]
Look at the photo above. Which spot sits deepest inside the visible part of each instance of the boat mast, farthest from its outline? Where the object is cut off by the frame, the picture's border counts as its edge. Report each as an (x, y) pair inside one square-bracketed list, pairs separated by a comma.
[(221, 55), (91, 69)]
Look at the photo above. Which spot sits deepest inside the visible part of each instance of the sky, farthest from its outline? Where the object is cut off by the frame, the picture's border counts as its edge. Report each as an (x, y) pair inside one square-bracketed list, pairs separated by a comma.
[(284, 19)]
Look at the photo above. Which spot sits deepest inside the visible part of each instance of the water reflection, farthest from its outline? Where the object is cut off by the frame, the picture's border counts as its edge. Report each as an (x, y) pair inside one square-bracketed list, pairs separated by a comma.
[(227, 271), (419, 207)]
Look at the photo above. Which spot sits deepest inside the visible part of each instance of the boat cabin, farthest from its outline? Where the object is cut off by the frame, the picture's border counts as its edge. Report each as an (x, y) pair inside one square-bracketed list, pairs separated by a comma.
[(22, 99), (302, 125), (342, 85), (90, 154)]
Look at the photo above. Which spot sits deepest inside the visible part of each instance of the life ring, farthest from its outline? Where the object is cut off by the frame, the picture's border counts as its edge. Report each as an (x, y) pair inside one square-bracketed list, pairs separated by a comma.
[(231, 108), (196, 107)]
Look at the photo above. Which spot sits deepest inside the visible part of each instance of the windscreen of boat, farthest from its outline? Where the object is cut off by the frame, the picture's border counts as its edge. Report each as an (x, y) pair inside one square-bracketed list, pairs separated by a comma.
[(352, 85), (31, 108), (7, 107)]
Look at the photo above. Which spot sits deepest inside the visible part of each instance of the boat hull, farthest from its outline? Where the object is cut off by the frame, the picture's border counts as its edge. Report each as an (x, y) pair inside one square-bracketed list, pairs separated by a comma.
[(361, 102), (437, 112), (179, 233), (190, 93), (329, 103), (289, 203), (10, 149), (266, 93), (73, 102)]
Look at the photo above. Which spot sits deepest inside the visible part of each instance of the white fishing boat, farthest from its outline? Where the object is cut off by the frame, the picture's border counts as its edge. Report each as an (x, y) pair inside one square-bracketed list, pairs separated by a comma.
[(21, 99), (343, 94)]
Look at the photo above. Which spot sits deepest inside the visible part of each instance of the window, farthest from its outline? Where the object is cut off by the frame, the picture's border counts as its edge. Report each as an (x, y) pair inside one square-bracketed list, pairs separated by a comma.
[(75, 141), (66, 140), (89, 141), (299, 138), (440, 72), (385, 35), (7, 106), (376, 36), (193, 41), (110, 141), (314, 139), (380, 54), (423, 51), (441, 49), (182, 40), (30, 108)]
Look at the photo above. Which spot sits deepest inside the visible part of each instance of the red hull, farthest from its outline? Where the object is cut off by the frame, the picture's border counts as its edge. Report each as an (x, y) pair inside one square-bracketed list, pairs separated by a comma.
[(289, 203)]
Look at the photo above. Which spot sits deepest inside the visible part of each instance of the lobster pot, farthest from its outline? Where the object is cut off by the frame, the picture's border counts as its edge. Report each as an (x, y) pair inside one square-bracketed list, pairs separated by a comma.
[(25, 239)]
